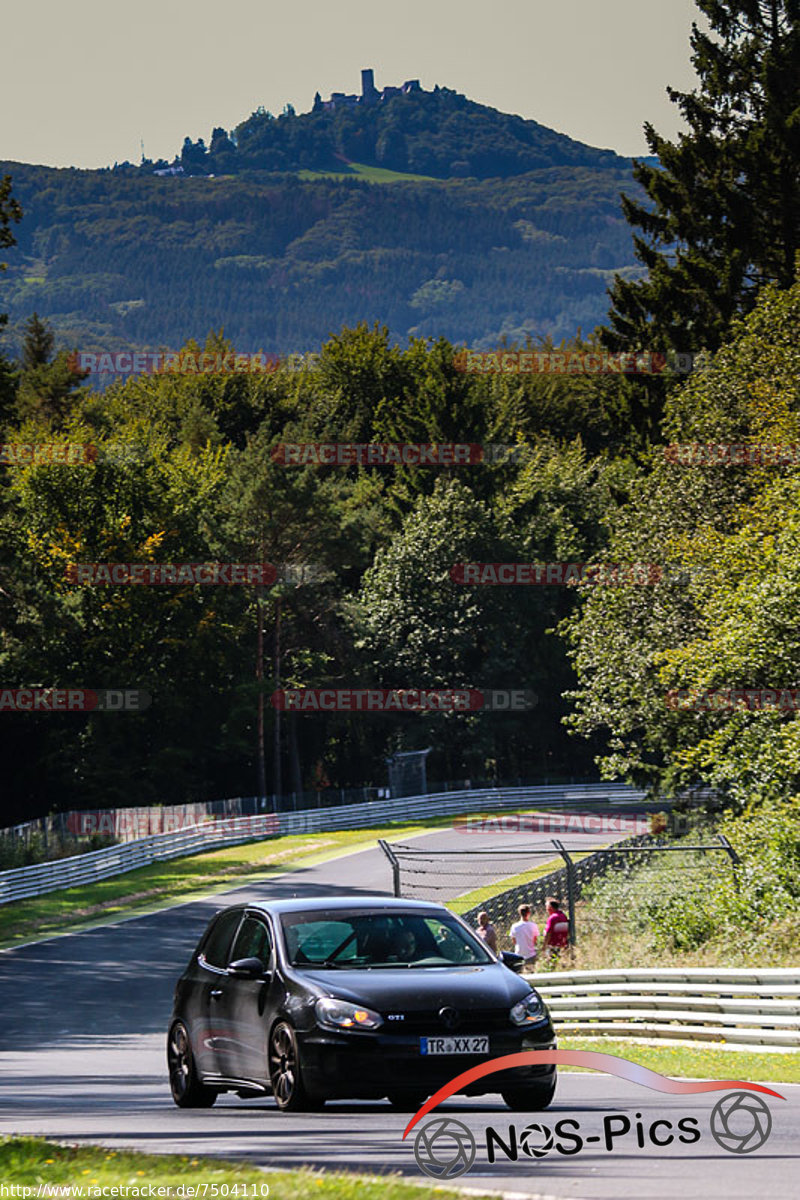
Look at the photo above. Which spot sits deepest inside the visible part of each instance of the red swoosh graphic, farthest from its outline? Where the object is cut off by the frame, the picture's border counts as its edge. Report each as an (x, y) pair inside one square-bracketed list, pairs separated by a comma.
[(595, 1061)]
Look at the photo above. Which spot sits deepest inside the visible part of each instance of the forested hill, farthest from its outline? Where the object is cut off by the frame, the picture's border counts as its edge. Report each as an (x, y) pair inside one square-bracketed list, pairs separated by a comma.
[(117, 261), (439, 133)]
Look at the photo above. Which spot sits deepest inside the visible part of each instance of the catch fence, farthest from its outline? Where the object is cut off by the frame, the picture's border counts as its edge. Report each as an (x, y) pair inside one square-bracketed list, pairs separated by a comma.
[(424, 873)]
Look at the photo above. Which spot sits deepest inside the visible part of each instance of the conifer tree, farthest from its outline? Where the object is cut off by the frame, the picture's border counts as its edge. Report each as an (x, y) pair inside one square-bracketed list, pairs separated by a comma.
[(38, 343), (723, 216)]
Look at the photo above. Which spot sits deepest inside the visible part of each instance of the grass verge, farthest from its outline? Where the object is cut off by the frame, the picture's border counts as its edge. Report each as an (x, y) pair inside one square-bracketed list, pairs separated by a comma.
[(695, 1062), (463, 903), (176, 880), (29, 1162)]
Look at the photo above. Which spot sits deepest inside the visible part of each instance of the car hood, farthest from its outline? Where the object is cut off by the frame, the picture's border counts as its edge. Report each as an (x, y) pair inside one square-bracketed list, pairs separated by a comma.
[(422, 988)]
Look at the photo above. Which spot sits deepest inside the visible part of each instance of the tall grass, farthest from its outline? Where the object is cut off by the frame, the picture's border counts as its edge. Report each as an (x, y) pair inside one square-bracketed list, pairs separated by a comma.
[(696, 909)]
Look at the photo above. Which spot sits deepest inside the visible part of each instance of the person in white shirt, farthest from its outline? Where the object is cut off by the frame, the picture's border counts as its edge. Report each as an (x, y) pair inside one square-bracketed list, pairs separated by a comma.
[(525, 933)]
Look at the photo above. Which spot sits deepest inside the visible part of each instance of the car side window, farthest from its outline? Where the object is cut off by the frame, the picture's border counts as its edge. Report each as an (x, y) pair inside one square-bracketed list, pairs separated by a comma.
[(252, 941), (449, 944), (217, 944)]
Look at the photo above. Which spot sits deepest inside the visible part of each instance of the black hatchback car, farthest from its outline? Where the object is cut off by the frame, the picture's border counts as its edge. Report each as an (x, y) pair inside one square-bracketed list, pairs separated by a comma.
[(350, 998)]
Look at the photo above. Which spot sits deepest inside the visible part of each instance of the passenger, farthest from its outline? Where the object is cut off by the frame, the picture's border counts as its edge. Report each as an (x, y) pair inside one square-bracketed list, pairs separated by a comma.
[(486, 931), (448, 945)]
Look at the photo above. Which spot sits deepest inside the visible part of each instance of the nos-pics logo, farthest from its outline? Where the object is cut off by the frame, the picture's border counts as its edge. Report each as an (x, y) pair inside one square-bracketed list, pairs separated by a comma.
[(445, 1148)]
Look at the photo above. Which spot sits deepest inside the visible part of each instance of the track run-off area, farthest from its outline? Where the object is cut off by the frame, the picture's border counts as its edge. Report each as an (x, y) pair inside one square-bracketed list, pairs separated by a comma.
[(82, 1060)]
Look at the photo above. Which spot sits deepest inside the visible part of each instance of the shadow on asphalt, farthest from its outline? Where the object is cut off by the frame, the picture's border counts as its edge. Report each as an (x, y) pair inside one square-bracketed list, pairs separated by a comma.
[(119, 979)]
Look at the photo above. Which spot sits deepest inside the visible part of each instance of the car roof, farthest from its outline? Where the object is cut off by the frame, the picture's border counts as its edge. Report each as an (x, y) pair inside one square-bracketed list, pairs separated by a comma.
[(327, 904)]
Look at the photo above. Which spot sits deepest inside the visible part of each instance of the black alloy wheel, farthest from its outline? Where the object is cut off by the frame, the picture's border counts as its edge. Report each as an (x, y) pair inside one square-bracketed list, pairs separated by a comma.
[(285, 1072), (187, 1090)]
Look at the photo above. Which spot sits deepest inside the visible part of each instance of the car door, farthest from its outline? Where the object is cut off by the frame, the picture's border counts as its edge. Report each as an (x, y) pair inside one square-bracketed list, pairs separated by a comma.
[(207, 991), (241, 1050)]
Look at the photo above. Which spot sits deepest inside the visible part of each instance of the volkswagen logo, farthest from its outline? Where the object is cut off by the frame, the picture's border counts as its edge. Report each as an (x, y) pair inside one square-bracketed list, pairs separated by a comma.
[(740, 1122), (444, 1148), (450, 1017)]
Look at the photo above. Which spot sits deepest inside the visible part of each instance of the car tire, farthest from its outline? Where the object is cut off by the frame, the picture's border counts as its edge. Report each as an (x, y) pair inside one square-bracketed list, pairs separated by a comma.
[(405, 1101), (532, 1098), (286, 1072), (187, 1089)]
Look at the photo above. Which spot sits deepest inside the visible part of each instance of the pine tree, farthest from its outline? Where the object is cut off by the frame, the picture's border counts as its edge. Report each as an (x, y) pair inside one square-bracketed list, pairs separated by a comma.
[(724, 211), (38, 343)]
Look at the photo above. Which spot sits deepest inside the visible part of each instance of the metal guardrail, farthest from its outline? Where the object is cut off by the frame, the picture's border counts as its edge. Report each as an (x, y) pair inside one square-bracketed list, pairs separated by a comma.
[(737, 1006), (133, 822), (22, 882)]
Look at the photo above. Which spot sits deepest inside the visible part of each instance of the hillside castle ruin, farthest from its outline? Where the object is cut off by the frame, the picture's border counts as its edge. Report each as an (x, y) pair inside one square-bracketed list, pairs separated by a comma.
[(369, 94)]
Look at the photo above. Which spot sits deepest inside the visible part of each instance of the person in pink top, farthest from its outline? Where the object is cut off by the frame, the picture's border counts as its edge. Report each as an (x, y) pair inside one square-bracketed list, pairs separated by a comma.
[(556, 931), (525, 933)]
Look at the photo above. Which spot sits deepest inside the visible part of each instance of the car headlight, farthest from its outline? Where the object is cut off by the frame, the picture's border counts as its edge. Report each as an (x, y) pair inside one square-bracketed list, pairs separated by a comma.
[(528, 1010), (341, 1014)]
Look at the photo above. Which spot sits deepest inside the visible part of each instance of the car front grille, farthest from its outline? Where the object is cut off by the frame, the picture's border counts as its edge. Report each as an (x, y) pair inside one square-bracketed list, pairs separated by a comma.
[(428, 1021)]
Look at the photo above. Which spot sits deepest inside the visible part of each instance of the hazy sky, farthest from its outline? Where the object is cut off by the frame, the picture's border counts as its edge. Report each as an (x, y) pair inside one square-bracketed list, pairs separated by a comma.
[(82, 82)]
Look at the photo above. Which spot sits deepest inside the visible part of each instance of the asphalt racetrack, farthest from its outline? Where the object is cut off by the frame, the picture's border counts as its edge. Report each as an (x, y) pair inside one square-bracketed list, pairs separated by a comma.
[(84, 1019)]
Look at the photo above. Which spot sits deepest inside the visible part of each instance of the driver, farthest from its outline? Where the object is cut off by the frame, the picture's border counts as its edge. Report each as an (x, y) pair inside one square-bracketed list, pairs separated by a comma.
[(404, 945)]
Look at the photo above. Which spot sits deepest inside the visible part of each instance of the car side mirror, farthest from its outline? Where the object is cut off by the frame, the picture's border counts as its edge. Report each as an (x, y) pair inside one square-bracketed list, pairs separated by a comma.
[(514, 962), (247, 968)]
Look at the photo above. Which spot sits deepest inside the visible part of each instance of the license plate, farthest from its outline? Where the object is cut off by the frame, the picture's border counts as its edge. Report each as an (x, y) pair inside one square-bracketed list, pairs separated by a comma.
[(454, 1045)]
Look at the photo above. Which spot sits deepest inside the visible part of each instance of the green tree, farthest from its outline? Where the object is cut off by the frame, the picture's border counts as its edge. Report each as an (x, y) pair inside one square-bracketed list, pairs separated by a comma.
[(9, 211), (48, 390), (181, 644), (723, 210), (724, 615), (416, 627), (288, 518), (38, 343)]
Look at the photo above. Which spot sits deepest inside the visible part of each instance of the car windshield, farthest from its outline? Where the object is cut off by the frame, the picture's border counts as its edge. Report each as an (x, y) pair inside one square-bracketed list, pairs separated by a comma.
[(378, 939)]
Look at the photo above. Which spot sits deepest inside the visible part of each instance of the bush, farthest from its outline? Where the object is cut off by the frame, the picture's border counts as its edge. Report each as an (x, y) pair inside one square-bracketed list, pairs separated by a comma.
[(699, 905)]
